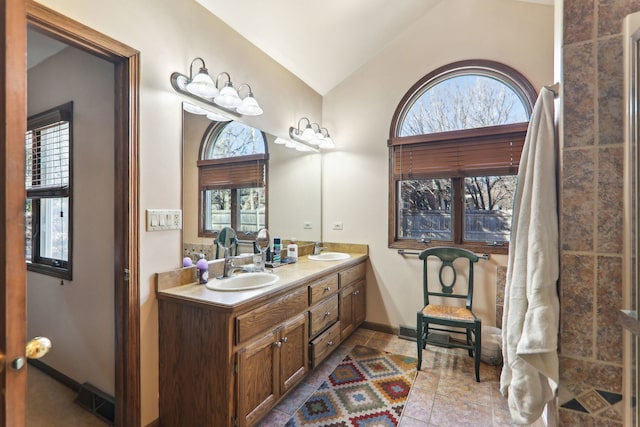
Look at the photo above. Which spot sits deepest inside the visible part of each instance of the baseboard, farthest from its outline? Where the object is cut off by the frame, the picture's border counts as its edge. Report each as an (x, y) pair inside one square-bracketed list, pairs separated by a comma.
[(379, 327), (55, 374), (154, 423)]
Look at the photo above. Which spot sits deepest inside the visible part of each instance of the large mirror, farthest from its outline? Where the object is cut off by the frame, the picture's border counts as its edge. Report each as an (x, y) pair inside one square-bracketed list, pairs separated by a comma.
[(293, 190)]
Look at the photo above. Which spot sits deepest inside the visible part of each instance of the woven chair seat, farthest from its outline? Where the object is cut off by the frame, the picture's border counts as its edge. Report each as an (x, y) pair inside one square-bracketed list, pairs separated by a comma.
[(449, 313)]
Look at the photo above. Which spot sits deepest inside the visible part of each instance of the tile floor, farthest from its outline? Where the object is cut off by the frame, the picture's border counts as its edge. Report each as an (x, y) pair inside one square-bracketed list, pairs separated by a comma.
[(444, 393)]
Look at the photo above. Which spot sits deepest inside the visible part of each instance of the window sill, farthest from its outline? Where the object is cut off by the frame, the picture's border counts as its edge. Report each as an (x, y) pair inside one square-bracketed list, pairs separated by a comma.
[(61, 273)]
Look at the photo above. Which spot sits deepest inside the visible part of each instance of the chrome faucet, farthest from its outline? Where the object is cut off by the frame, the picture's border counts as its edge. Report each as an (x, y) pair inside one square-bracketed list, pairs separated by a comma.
[(317, 248), (229, 268)]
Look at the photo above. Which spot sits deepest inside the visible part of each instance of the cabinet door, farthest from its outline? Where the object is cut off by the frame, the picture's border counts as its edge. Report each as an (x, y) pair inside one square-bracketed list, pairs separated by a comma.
[(294, 352), (359, 304), (347, 321), (257, 379)]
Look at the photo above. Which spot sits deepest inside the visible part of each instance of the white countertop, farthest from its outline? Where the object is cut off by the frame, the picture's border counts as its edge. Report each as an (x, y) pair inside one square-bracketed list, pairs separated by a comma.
[(290, 276)]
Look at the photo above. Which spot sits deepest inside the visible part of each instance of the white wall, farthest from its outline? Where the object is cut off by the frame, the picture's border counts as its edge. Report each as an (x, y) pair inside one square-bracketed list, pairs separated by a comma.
[(359, 113), (169, 35), (78, 316)]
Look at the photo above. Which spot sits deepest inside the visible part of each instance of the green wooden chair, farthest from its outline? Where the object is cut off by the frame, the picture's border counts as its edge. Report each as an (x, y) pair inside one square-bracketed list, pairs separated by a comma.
[(447, 317)]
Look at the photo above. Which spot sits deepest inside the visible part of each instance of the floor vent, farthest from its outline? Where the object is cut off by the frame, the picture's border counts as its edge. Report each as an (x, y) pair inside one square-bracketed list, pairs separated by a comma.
[(97, 402), (407, 333)]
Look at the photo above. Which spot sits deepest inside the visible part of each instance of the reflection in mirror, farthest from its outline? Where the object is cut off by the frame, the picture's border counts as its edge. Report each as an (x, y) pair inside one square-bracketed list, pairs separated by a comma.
[(291, 190), (227, 240), (263, 240)]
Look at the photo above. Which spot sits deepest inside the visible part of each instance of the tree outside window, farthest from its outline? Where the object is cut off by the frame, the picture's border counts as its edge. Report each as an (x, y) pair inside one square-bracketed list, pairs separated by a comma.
[(455, 145)]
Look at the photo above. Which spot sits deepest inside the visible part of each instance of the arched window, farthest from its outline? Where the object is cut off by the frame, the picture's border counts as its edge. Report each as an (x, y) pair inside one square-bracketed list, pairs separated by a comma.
[(232, 179), (454, 148)]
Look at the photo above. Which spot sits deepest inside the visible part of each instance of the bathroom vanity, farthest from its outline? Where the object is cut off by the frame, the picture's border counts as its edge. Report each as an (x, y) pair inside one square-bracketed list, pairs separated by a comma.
[(227, 358)]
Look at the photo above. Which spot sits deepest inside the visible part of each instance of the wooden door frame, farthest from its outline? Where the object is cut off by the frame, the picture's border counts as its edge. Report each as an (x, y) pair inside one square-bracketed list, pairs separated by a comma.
[(126, 61), (13, 268)]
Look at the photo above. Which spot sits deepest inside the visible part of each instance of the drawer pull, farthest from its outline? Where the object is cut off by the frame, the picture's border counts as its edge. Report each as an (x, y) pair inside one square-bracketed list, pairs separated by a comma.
[(328, 288), (356, 292), (284, 339), (330, 343), (277, 344), (327, 314)]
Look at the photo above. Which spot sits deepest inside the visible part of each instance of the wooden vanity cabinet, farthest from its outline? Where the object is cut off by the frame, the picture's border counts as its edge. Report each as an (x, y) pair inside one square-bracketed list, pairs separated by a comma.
[(270, 366), (229, 366), (352, 299)]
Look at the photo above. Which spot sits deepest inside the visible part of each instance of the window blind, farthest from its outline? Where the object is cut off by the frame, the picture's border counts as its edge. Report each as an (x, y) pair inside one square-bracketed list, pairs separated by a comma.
[(494, 150), (48, 149), (238, 172)]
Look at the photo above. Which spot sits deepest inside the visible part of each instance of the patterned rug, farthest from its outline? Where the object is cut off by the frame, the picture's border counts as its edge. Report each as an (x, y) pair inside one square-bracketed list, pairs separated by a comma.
[(368, 388)]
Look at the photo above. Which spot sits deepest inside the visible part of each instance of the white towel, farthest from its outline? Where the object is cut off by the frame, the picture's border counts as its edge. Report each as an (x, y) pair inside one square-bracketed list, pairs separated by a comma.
[(530, 374)]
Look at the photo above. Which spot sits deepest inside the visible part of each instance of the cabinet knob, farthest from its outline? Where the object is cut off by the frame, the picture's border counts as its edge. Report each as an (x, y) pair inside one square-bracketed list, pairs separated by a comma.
[(328, 288), (277, 344), (284, 339), (330, 343), (356, 292), (327, 314)]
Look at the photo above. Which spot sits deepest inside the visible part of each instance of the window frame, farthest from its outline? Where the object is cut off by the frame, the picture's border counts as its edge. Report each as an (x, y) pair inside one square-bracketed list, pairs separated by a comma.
[(507, 75), (239, 163), (40, 264)]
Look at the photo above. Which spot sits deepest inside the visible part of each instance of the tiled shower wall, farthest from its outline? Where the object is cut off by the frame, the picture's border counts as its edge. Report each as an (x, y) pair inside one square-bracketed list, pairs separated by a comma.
[(591, 202)]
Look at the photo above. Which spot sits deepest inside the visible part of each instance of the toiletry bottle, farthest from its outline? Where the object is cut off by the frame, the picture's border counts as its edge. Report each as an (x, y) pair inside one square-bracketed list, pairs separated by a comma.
[(277, 246), (203, 270), (292, 250), (258, 260)]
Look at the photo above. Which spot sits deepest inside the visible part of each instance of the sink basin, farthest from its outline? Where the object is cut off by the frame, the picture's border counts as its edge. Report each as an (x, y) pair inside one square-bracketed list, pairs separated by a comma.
[(329, 256), (243, 282)]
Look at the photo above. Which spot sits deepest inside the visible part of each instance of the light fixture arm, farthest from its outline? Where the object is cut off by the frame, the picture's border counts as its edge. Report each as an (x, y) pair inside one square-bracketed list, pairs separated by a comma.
[(308, 123), (247, 85), (228, 78), (191, 67)]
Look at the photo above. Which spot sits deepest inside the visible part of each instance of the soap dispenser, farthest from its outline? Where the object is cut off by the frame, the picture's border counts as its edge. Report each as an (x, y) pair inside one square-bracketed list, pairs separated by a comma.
[(203, 270)]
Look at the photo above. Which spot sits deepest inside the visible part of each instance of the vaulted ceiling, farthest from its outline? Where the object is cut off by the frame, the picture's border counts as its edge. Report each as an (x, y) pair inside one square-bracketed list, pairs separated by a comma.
[(322, 42)]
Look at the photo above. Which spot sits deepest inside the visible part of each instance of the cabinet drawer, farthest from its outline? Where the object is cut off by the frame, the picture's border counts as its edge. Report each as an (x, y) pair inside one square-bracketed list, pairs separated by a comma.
[(326, 342), (351, 275), (323, 315), (270, 314), (323, 288)]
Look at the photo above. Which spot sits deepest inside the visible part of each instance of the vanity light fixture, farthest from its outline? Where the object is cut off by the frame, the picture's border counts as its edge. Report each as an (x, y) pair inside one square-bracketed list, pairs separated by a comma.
[(227, 97), (249, 106), (207, 90), (201, 85), (326, 142), (309, 136)]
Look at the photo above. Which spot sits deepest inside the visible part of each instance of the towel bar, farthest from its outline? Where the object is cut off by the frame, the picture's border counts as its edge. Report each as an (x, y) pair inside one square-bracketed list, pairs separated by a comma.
[(405, 252)]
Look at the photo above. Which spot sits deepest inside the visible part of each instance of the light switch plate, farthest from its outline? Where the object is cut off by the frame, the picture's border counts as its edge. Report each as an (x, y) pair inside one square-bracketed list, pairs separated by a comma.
[(164, 219)]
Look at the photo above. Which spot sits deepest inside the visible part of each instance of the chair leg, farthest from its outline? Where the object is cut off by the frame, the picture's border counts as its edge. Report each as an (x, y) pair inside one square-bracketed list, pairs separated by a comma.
[(469, 342), (478, 349), (419, 339)]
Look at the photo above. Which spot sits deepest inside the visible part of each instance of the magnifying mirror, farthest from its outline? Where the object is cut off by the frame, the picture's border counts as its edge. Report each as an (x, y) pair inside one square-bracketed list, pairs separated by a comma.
[(226, 238), (263, 239)]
